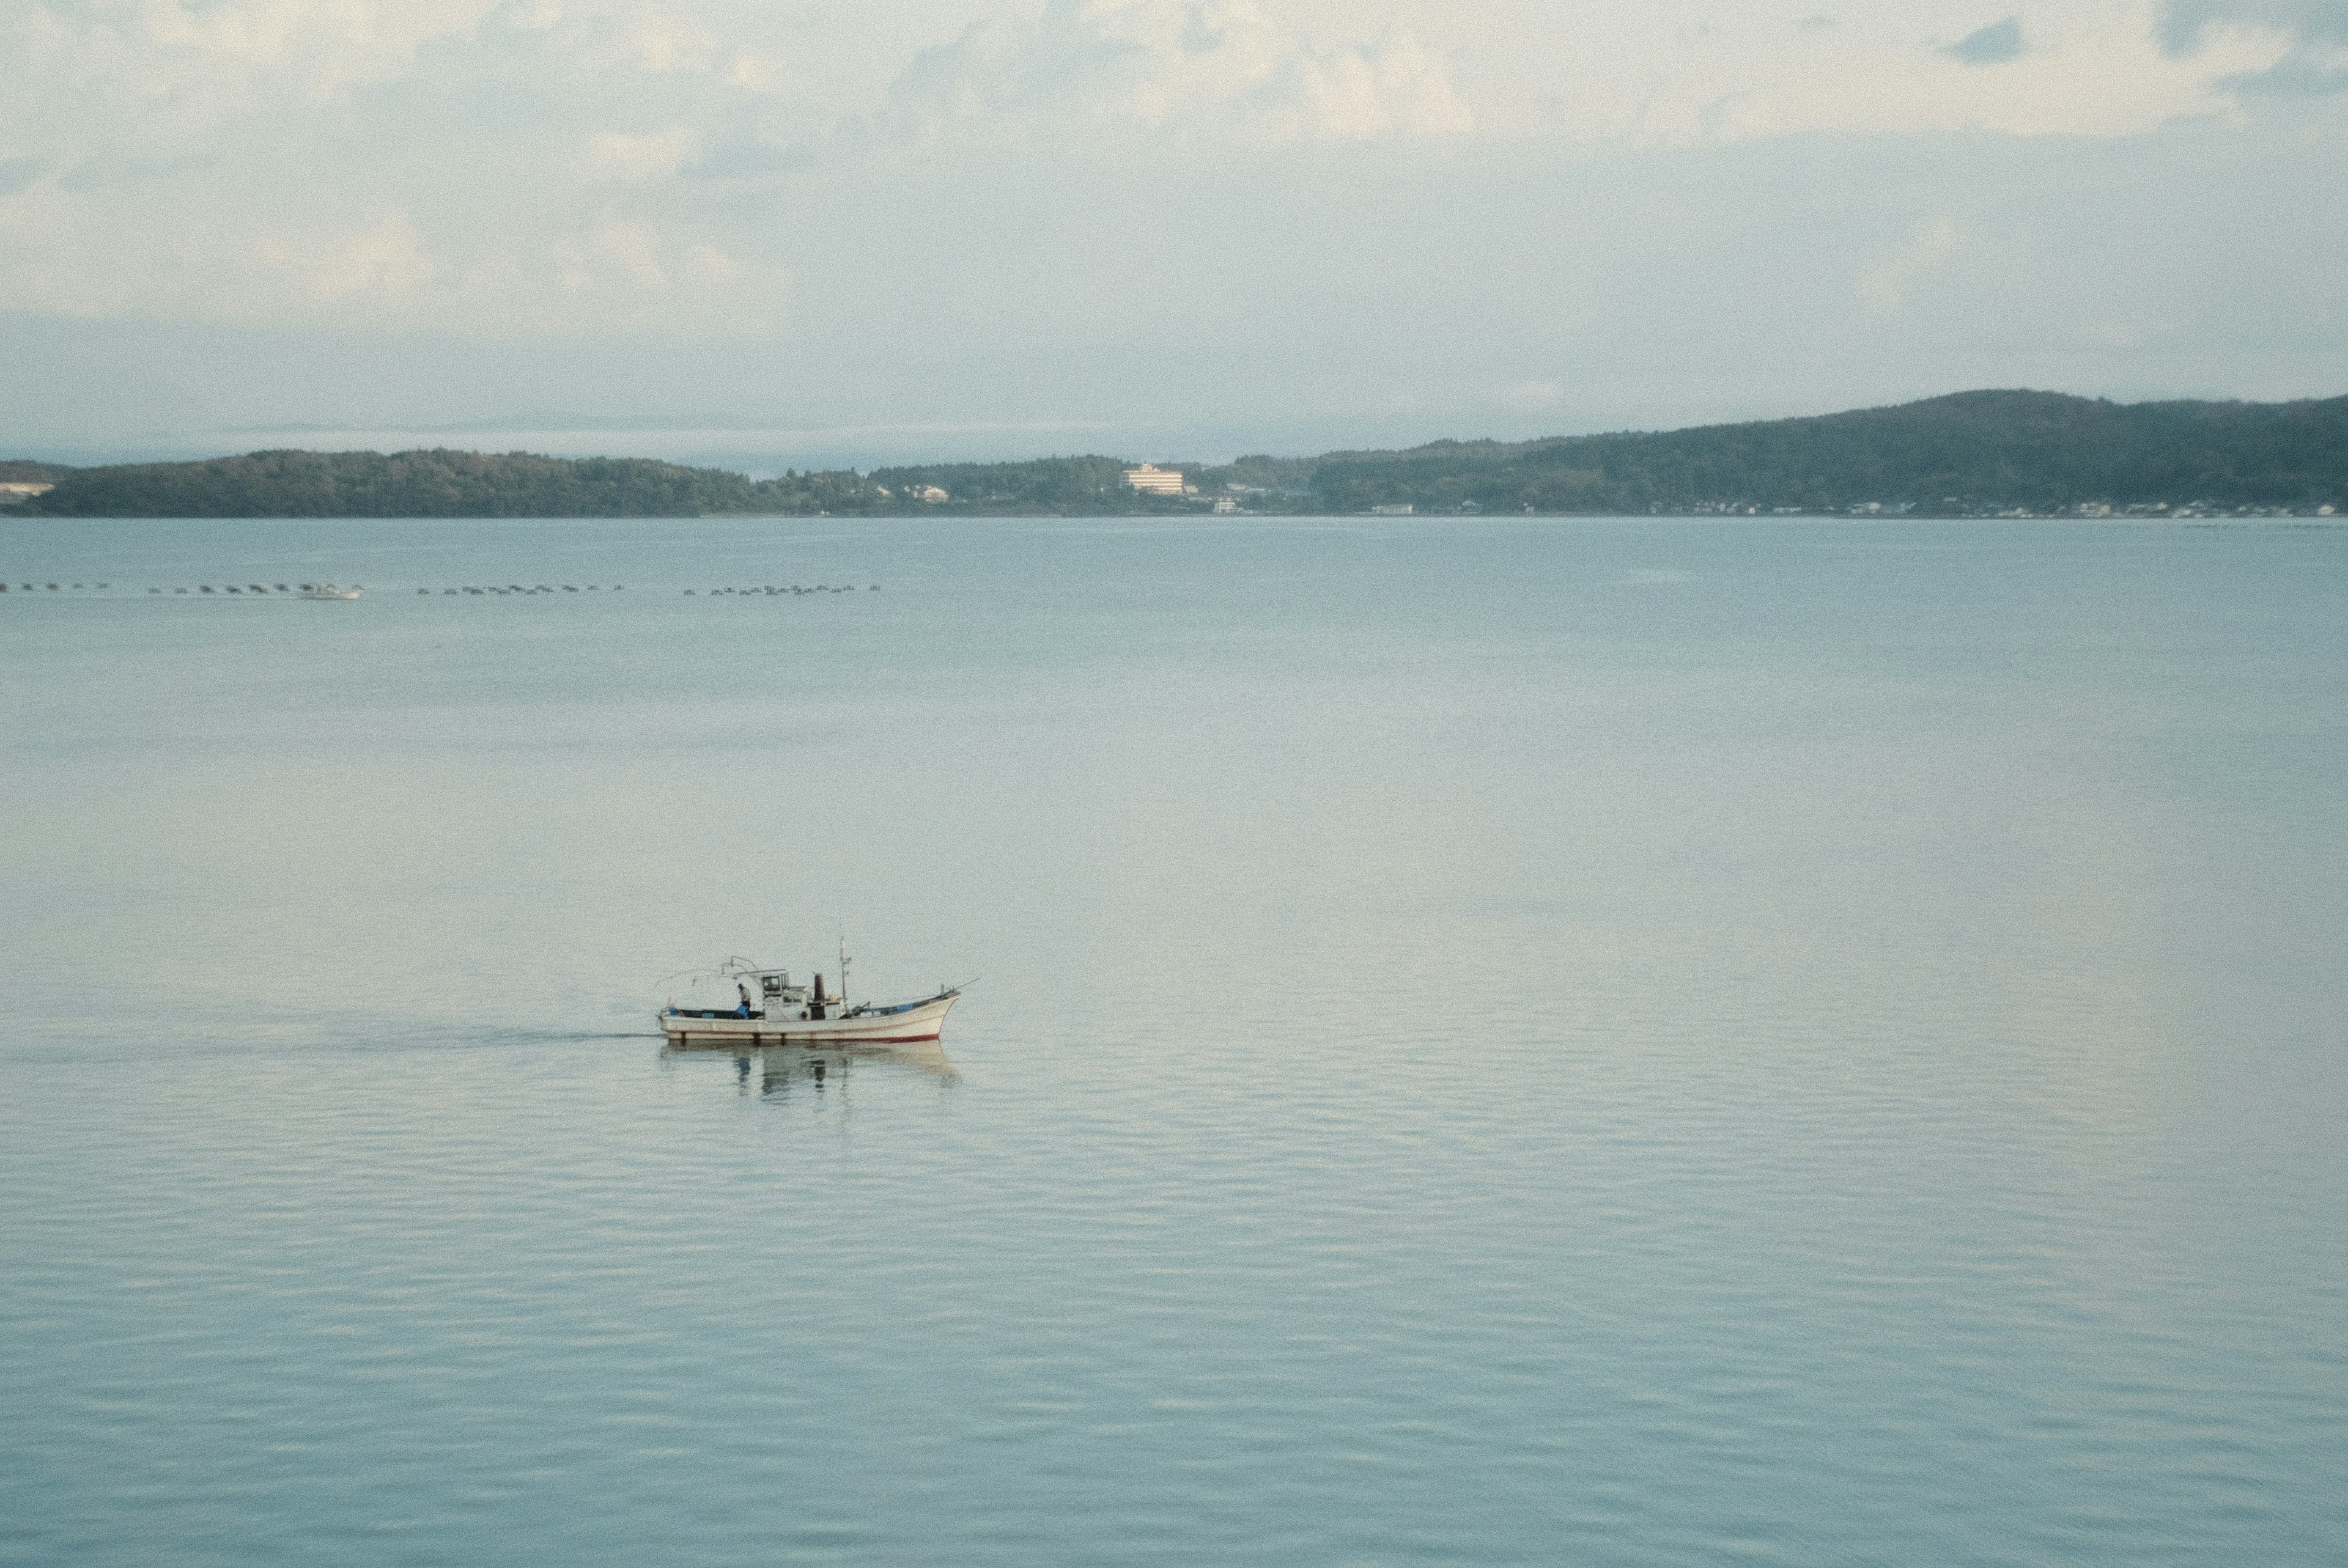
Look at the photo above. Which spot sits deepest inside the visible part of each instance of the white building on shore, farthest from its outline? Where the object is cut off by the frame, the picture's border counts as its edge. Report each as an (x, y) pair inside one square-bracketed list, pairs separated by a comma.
[(1152, 480)]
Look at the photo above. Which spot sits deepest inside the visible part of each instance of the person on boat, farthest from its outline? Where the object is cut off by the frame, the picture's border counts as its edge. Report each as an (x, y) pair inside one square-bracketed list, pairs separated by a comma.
[(743, 1011)]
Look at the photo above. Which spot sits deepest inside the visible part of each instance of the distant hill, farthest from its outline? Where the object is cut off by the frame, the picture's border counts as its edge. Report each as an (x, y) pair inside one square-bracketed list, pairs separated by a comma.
[(1069, 485), (442, 483), (434, 483), (1972, 453)]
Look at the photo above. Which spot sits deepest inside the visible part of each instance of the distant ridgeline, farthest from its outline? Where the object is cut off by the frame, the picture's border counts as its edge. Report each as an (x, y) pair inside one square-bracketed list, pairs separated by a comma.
[(435, 483), (1970, 454)]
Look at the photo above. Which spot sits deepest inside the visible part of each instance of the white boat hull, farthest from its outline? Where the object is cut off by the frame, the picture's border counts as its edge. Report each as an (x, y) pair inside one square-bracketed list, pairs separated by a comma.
[(906, 1023)]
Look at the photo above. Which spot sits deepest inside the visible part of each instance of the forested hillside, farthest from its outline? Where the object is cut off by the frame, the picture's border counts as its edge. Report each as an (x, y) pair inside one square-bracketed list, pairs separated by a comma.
[(1973, 453), (435, 483), (1970, 452), (1065, 485)]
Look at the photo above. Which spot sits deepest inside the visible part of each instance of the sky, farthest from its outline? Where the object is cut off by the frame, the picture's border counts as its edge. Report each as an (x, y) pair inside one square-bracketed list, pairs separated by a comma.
[(770, 233)]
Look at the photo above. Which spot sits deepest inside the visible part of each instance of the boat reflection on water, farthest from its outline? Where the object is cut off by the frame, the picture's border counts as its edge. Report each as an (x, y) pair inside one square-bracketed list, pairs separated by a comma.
[(779, 1071)]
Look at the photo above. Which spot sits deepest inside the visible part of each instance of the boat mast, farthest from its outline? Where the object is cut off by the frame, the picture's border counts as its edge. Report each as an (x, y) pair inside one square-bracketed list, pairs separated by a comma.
[(843, 971)]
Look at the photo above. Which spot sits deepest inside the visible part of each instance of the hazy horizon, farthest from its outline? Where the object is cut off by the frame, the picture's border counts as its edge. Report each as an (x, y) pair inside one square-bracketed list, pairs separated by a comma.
[(761, 454)]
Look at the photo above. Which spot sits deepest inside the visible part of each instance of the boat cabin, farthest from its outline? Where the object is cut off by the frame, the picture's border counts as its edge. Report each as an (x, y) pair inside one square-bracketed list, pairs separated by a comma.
[(768, 994)]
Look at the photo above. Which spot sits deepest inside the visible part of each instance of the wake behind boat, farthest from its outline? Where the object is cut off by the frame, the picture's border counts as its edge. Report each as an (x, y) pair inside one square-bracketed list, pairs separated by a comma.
[(768, 1009)]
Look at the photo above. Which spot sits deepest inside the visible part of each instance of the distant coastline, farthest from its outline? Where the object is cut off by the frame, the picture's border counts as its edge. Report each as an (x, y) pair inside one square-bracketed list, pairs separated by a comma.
[(1969, 455)]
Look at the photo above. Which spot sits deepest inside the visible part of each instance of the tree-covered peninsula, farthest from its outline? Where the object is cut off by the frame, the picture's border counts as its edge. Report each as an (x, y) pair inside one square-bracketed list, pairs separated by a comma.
[(1969, 453), (1972, 453), (427, 484)]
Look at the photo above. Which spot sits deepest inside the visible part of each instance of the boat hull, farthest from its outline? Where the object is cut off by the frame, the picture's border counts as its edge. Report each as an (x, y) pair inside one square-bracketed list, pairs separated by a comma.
[(908, 1023)]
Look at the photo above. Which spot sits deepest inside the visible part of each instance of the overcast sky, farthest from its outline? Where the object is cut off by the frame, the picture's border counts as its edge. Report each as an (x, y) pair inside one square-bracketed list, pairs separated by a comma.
[(815, 231)]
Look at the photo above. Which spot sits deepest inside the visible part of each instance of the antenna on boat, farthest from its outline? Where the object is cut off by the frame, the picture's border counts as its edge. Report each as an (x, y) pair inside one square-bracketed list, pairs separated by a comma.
[(843, 969)]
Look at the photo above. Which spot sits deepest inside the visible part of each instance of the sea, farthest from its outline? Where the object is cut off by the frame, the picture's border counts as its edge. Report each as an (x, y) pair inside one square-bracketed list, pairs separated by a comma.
[(1484, 1041)]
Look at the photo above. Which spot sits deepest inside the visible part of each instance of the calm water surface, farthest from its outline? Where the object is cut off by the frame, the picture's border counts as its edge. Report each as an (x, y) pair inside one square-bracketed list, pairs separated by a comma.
[(1496, 1042)]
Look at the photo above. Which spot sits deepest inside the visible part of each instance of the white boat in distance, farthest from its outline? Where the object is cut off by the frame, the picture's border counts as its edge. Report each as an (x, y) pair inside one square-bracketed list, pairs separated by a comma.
[(769, 1009), (327, 590)]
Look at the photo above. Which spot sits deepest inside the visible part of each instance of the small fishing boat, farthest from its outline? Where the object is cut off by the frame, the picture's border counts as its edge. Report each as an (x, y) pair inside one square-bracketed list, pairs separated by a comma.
[(767, 1007), (326, 590)]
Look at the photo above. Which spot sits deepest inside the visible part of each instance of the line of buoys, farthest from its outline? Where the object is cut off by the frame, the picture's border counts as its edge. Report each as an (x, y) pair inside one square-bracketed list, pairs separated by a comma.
[(502, 590), (767, 590), (249, 587), (240, 591)]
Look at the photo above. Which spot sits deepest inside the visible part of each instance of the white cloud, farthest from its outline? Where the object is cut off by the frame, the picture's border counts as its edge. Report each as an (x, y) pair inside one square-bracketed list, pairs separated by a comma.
[(754, 72), (598, 269), (530, 16), (387, 260), (1274, 301), (2315, 65), (1684, 72), (2186, 25), (440, 164), (666, 42), (494, 168), (164, 67), (1211, 72)]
